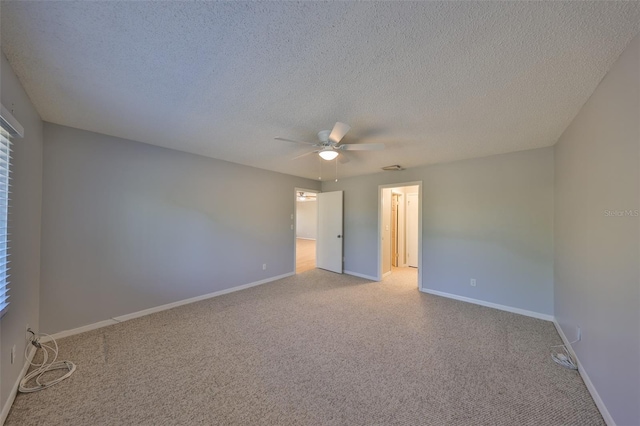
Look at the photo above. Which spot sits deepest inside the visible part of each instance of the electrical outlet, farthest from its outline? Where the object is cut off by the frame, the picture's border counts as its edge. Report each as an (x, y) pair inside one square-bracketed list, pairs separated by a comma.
[(473, 282), (578, 333), (13, 353), (264, 266)]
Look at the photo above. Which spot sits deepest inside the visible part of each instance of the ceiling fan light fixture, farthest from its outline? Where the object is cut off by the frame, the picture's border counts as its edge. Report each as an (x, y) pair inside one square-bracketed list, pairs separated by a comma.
[(328, 155)]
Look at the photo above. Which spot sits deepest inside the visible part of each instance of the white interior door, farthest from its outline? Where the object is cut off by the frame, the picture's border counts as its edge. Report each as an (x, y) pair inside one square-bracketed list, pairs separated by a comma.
[(329, 240), (412, 230)]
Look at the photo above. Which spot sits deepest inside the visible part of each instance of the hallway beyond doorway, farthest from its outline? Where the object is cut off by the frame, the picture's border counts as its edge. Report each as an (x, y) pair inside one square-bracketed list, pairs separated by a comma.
[(403, 277), (305, 255), (399, 232)]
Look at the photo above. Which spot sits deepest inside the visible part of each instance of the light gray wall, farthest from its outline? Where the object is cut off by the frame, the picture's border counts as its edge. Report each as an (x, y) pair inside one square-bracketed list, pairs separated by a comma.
[(24, 227), (307, 219), (129, 226), (487, 218), (597, 282)]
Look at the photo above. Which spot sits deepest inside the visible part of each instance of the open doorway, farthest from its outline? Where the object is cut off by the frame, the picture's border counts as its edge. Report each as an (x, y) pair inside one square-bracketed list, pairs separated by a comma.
[(400, 239), (306, 229)]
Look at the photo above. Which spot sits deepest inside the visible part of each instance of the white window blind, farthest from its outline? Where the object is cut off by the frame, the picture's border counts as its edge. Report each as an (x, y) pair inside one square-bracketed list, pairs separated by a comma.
[(9, 128)]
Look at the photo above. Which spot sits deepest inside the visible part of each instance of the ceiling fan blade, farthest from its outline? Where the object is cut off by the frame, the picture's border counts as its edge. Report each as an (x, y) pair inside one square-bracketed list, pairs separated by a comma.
[(304, 155), (361, 147), (291, 140), (338, 132), (343, 158)]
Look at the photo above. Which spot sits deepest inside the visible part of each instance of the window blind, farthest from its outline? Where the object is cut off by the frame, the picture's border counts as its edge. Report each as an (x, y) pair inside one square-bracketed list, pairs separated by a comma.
[(9, 128)]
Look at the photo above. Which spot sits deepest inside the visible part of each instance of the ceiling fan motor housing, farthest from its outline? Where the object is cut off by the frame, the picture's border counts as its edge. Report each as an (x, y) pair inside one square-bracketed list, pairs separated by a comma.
[(323, 136)]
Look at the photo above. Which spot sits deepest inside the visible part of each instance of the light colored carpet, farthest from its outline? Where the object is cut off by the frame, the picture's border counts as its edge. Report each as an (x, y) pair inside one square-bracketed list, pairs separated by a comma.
[(316, 349)]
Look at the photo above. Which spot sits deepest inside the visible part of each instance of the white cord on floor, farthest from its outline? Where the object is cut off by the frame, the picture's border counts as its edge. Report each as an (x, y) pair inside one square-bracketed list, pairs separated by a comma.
[(564, 359), (44, 367)]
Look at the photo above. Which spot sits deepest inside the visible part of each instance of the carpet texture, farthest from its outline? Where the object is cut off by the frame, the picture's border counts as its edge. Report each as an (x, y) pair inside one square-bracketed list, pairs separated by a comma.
[(316, 349)]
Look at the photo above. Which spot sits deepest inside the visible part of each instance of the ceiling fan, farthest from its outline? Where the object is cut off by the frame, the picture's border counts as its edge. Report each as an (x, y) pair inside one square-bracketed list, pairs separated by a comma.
[(329, 146), (306, 196)]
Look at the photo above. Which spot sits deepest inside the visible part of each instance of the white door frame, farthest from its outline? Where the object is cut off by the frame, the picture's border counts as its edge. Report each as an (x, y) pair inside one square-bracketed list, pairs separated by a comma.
[(398, 185), (412, 212), (295, 221)]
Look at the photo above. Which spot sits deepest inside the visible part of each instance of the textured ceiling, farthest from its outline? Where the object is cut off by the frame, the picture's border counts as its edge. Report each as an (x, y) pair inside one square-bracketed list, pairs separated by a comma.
[(435, 81)]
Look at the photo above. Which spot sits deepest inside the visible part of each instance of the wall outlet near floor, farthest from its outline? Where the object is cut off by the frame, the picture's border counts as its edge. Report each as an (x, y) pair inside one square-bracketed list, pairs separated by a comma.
[(264, 266), (473, 282), (578, 333)]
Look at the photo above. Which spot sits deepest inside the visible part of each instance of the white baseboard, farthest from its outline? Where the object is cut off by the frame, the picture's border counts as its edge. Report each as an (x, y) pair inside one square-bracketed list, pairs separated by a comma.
[(585, 378), (142, 313), (14, 390), (524, 312), (127, 317), (356, 274), (386, 274), (79, 330)]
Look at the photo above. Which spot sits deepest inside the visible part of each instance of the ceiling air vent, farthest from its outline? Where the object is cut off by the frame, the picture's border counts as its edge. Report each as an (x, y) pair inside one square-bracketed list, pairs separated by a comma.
[(394, 168)]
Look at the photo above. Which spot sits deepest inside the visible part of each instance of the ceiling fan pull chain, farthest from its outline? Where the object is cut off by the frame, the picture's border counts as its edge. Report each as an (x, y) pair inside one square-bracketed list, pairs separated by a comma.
[(336, 160)]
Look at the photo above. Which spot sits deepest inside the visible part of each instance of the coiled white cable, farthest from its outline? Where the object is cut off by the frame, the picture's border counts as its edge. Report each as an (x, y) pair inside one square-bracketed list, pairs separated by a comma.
[(564, 359), (45, 366)]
